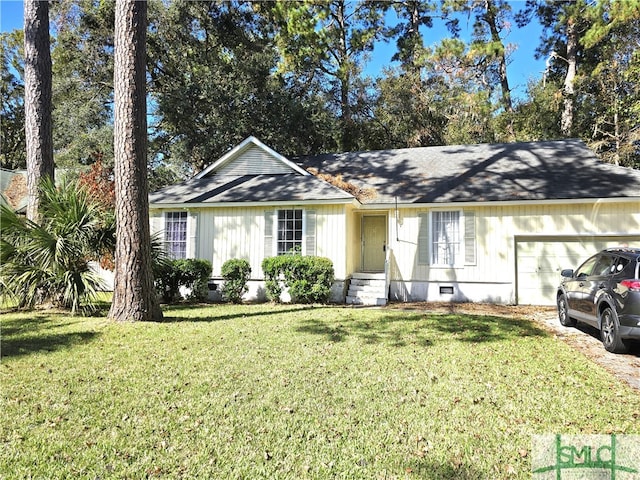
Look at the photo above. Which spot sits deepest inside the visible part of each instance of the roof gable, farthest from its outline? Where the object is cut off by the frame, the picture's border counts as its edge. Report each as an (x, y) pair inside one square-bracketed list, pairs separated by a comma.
[(251, 157)]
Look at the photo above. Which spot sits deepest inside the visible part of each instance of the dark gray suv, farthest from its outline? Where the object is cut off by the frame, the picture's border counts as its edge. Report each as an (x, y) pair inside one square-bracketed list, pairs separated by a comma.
[(604, 292)]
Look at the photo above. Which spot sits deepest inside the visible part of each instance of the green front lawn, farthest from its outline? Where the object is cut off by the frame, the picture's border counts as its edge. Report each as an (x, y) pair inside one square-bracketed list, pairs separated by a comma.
[(264, 391)]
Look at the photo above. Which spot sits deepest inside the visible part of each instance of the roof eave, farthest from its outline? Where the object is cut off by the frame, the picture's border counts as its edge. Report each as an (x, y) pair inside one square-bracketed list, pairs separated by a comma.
[(187, 205), (498, 203)]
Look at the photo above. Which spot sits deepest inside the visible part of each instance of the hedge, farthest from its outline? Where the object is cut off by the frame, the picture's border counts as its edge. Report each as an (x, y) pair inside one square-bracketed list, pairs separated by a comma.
[(308, 278), (236, 273), (191, 273)]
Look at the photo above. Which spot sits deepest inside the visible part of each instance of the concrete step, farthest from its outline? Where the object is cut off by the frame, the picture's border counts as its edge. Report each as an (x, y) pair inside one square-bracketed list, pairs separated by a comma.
[(366, 281), (368, 276), (365, 300), (367, 289)]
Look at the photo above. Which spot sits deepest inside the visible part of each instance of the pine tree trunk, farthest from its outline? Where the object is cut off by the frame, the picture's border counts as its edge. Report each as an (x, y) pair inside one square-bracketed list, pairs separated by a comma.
[(344, 77), (566, 122), (37, 101), (134, 298), (490, 19)]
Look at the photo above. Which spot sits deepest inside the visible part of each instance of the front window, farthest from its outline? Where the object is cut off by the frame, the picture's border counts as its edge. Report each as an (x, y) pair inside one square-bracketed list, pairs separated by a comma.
[(445, 238), (604, 265), (586, 268), (175, 234), (289, 231)]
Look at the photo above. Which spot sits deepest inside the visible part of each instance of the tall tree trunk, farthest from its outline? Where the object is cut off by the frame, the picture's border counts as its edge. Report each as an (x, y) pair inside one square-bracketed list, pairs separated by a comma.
[(490, 19), (344, 77), (37, 101), (566, 122), (134, 297)]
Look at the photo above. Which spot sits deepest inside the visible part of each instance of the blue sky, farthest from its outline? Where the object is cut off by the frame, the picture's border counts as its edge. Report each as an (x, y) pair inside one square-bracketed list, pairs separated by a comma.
[(522, 68)]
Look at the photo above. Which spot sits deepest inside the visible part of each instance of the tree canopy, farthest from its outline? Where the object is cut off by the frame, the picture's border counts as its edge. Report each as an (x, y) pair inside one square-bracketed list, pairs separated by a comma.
[(293, 74)]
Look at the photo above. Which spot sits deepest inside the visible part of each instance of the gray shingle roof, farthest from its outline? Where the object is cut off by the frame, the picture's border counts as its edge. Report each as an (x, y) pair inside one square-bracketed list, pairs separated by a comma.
[(564, 169), (553, 170), (250, 188)]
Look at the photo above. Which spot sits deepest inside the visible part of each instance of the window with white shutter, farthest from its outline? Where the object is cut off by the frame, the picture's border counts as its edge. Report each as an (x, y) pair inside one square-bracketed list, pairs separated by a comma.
[(268, 234), (290, 231), (310, 232), (447, 238), (423, 239)]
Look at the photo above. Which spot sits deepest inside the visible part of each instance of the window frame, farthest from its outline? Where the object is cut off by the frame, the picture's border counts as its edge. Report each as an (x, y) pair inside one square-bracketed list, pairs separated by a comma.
[(308, 240), (170, 243), (436, 262), (466, 254), (297, 244)]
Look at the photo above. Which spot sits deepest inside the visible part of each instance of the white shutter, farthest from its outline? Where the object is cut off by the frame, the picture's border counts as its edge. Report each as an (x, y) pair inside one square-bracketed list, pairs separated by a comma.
[(469, 237), (423, 239), (156, 222), (310, 232), (268, 234), (192, 235)]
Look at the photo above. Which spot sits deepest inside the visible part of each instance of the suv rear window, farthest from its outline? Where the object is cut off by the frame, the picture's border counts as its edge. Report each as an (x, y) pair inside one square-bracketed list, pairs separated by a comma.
[(620, 265), (603, 265)]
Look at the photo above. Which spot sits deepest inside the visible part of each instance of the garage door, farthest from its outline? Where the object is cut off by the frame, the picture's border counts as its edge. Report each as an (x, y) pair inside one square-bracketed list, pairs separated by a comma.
[(540, 260)]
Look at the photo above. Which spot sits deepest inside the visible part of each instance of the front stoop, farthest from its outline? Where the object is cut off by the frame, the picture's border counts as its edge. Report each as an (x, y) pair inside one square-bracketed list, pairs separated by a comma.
[(367, 289)]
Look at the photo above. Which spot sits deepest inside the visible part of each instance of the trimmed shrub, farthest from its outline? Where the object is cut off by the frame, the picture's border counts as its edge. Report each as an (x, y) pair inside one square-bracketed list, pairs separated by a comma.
[(308, 279), (191, 273), (272, 269), (236, 273)]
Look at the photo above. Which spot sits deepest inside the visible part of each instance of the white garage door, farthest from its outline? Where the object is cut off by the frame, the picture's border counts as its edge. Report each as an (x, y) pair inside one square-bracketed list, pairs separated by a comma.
[(539, 262)]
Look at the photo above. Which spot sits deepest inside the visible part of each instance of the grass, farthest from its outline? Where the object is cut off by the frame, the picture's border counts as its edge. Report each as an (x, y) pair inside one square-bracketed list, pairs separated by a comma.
[(263, 391)]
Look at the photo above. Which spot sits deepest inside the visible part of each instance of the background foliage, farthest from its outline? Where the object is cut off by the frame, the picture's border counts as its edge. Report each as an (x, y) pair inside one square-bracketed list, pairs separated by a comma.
[(292, 74)]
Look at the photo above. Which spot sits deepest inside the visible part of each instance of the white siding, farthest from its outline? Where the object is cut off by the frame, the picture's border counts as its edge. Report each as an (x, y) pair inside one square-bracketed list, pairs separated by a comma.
[(254, 161), (539, 261), (239, 232), (497, 229)]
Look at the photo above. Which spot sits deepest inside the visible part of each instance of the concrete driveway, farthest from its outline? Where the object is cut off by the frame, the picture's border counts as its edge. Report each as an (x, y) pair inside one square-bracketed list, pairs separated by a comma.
[(586, 339)]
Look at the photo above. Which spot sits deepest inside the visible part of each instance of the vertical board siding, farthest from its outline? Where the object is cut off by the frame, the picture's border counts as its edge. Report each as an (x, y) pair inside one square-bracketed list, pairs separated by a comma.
[(496, 228), (239, 232), (352, 228), (331, 236), (254, 161)]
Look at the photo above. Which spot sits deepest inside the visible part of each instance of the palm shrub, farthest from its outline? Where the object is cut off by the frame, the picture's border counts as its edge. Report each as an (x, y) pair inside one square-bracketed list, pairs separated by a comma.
[(236, 273), (50, 262)]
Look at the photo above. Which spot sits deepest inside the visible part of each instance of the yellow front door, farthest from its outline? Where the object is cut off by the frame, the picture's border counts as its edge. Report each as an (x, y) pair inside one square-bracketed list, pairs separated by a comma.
[(374, 241)]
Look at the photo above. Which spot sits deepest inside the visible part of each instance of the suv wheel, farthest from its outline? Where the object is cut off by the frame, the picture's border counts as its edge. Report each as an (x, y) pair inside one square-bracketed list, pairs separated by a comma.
[(563, 313), (610, 334)]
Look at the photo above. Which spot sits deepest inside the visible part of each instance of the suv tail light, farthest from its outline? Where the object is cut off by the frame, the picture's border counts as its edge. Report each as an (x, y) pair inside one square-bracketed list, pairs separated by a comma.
[(633, 285)]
